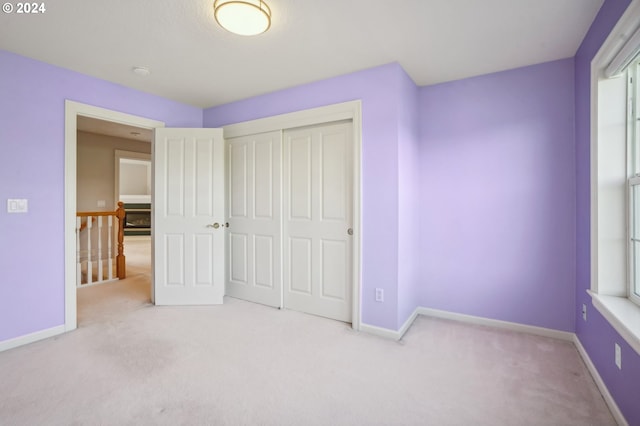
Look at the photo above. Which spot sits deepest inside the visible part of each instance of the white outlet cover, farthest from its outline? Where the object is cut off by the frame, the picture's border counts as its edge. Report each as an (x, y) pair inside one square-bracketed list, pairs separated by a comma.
[(618, 357), (379, 295)]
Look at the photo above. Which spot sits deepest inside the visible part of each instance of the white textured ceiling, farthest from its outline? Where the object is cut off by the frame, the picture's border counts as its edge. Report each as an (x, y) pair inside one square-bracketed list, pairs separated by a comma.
[(196, 62)]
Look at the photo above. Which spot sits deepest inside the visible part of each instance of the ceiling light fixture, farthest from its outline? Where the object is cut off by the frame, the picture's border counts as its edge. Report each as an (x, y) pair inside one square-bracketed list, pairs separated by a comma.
[(243, 17)]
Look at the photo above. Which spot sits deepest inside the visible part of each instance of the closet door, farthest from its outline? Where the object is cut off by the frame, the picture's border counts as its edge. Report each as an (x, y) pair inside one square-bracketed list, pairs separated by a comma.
[(317, 202), (254, 232)]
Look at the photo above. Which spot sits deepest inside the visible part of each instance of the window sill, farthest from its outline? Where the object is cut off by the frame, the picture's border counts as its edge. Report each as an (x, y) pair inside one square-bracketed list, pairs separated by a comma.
[(622, 314)]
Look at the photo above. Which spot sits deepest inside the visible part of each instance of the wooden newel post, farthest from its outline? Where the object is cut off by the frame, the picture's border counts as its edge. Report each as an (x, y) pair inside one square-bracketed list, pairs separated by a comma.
[(120, 259)]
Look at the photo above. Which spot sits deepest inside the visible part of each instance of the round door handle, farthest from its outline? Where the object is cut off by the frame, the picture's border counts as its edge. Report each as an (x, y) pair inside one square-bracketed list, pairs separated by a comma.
[(350, 231), (214, 226)]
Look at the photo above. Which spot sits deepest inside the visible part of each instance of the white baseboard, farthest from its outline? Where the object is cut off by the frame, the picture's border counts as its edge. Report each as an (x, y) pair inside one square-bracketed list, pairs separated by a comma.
[(613, 407), (30, 338), (409, 322), (387, 332), (380, 331), (531, 329), (522, 328)]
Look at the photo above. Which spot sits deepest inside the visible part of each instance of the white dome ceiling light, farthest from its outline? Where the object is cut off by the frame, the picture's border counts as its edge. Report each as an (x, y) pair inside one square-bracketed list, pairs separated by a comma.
[(243, 17)]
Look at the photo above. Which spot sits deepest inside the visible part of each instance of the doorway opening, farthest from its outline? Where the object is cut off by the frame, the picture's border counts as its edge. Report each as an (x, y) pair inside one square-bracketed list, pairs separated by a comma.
[(102, 183), (133, 188), (89, 130)]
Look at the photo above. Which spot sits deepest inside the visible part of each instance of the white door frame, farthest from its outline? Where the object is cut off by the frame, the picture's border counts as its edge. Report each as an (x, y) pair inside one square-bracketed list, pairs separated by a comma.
[(344, 111), (71, 111)]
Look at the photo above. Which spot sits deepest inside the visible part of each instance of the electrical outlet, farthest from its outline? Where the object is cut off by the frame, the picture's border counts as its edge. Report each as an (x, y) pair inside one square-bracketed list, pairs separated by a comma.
[(584, 312), (618, 357), (379, 295), (102, 203)]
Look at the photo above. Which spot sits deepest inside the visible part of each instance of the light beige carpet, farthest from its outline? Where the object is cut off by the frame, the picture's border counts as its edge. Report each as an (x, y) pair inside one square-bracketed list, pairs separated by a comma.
[(131, 363), (103, 301)]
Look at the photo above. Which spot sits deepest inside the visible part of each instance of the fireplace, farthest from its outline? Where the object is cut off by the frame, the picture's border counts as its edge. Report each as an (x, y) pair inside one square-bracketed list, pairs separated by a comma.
[(137, 220)]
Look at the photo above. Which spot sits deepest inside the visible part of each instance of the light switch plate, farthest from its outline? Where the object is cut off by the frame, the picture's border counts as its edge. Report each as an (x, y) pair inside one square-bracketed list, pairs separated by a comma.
[(17, 205)]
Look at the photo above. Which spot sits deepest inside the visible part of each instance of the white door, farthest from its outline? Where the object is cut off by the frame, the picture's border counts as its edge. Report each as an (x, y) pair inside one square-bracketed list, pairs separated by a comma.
[(318, 185), (188, 216), (254, 218)]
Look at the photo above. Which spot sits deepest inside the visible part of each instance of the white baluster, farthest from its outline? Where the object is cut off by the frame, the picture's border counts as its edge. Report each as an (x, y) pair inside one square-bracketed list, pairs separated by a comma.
[(100, 277), (89, 254), (109, 249), (78, 264)]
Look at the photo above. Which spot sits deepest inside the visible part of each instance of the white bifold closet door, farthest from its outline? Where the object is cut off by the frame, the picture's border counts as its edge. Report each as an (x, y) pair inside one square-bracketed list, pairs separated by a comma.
[(318, 216), (254, 233)]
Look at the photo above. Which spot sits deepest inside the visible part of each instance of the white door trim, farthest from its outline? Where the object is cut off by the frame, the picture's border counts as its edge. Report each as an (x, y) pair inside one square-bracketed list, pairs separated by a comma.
[(351, 110), (71, 111)]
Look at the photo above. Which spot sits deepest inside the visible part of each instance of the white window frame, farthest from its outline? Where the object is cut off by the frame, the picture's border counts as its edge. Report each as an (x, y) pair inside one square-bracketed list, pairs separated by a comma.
[(633, 173), (610, 191), (632, 284)]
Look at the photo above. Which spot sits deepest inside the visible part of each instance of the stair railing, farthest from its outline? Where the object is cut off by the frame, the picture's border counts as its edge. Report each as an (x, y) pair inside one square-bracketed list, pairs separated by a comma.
[(92, 254)]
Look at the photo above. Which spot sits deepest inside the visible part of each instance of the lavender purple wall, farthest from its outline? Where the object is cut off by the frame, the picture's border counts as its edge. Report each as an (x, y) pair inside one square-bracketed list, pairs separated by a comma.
[(32, 104), (380, 91), (408, 200), (498, 212), (596, 335)]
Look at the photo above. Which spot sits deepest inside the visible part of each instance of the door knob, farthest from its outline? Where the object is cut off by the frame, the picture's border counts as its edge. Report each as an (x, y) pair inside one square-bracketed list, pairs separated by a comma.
[(214, 226), (350, 231)]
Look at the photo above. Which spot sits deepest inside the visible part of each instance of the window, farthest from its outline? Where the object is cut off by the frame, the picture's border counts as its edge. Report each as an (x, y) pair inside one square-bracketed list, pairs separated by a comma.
[(615, 178), (633, 151)]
